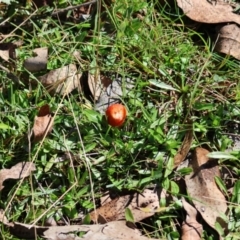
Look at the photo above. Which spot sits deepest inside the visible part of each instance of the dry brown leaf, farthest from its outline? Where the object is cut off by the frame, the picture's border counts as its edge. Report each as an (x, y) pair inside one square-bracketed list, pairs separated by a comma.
[(229, 40), (205, 12), (43, 124), (112, 91), (117, 230), (201, 186), (191, 228), (97, 84), (137, 203), (62, 80), (38, 62), (4, 54), (3, 218), (20, 170), (185, 147), (7, 50)]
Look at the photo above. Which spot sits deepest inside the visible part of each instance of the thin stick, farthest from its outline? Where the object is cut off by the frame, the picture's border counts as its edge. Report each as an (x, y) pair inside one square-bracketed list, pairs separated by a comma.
[(72, 7)]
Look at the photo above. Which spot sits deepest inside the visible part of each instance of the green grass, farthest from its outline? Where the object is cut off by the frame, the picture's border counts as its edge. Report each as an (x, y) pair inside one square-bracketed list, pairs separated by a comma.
[(155, 46)]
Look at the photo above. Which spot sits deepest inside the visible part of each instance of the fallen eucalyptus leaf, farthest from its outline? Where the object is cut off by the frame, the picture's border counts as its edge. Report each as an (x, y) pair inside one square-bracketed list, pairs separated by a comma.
[(205, 12), (62, 80), (201, 187), (113, 92), (43, 124), (20, 170), (191, 228), (229, 40), (185, 147), (97, 84), (117, 230), (115, 209), (38, 62), (7, 50)]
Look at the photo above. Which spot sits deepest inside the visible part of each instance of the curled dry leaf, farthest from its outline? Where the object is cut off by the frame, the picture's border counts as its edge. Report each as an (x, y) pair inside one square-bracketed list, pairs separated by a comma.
[(20, 170), (43, 124), (62, 80), (201, 186), (191, 228), (97, 84), (206, 12), (38, 62), (141, 205), (229, 40), (185, 147)]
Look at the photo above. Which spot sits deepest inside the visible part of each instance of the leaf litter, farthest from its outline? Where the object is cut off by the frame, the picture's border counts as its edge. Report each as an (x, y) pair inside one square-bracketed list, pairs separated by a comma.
[(206, 197), (201, 187), (191, 228), (43, 124), (62, 80), (38, 62), (18, 171), (185, 147), (142, 205), (206, 12), (111, 229)]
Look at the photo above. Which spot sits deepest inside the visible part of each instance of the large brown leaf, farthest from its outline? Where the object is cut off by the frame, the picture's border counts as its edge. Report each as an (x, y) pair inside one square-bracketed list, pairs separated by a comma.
[(229, 40), (201, 186), (191, 228), (141, 205), (205, 12), (117, 230), (62, 80), (20, 170)]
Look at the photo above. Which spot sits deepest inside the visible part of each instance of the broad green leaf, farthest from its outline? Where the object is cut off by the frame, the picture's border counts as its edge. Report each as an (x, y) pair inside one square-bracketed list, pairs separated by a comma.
[(174, 187), (169, 167), (204, 106), (221, 155), (4, 126), (162, 85), (128, 215)]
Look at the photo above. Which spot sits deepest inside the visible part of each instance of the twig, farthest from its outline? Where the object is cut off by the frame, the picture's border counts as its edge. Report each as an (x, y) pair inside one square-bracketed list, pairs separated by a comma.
[(61, 11)]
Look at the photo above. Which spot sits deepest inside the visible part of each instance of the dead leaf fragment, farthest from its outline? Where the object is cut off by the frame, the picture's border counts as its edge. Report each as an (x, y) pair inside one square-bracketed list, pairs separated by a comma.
[(38, 62), (229, 40), (20, 170), (43, 124), (112, 91), (7, 50), (201, 186), (206, 12), (191, 228), (185, 147), (97, 84), (141, 205), (62, 80)]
